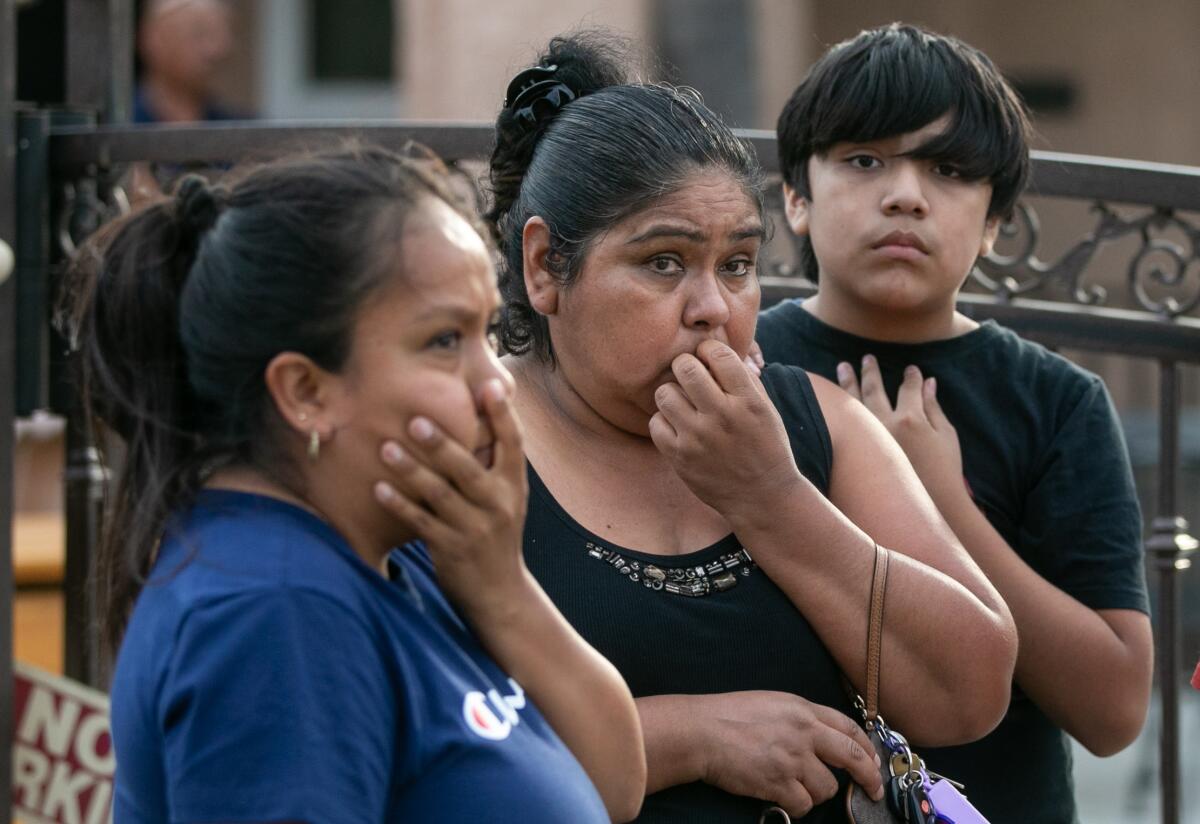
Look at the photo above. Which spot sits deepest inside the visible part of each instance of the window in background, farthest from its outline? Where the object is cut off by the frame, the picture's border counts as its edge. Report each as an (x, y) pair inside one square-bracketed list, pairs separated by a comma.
[(708, 45), (351, 40), (323, 59)]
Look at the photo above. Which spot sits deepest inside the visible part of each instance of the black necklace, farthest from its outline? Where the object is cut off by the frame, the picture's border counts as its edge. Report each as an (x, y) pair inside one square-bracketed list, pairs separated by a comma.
[(691, 581)]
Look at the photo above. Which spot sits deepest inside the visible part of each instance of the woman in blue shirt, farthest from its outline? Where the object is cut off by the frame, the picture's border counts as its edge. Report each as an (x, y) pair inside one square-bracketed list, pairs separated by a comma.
[(300, 369)]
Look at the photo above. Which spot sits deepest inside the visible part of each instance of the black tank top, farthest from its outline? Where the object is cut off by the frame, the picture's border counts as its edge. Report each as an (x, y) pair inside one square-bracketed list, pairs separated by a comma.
[(741, 636)]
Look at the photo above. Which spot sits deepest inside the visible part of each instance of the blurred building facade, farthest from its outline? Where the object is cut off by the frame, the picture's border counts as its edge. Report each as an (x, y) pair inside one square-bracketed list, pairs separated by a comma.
[(1104, 78)]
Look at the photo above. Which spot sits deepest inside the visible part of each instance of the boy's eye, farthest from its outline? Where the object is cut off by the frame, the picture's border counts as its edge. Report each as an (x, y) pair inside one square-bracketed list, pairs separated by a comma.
[(947, 170), (863, 161), (665, 265)]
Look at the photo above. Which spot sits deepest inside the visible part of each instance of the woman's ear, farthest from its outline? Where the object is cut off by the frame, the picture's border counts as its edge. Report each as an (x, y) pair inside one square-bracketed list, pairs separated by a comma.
[(991, 230), (540, 283), (303, 393), (795, 206)]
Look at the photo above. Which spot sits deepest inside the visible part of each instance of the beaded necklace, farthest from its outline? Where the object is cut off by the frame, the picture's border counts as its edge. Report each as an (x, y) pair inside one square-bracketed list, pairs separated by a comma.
[(696, 581)]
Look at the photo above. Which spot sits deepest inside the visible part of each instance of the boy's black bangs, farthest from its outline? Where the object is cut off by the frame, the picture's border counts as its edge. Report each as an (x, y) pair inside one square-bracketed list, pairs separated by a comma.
[(969, 144), (879, 93), (885, 92)]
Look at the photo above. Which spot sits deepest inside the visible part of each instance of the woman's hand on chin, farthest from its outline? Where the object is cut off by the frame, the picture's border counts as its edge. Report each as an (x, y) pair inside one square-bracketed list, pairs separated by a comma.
[(469, 515), (721, 433)]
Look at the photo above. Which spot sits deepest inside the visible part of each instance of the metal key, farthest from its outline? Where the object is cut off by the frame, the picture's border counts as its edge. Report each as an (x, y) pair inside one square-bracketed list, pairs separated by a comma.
[(900, 764), (936, 777)]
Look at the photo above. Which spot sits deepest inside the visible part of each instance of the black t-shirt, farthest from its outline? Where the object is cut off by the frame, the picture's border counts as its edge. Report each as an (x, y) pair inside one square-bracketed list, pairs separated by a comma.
[(1045, 461), (745, 637)]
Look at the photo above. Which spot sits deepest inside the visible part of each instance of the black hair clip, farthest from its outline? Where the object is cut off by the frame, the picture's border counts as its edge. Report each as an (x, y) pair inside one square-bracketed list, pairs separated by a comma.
[(536, 93)]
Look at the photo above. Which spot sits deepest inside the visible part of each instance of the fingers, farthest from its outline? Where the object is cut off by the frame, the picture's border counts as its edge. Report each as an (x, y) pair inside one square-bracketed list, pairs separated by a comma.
[(444, 477), (796, 799), (843, 743), (909, 401), (422, 483), (697, 384), (933, 409), (714, 372), (727, 369), (873, 395), (752, 365), (755, 361), (508, 456), (848, 727), (662, 433), (447, 458), (674, 407), (424, 523), (848, 380)]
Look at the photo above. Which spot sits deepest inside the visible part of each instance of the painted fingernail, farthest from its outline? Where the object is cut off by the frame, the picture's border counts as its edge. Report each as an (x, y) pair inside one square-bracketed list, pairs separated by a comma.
[(868, 360), (392, 453), (843, 371), (421, 429)]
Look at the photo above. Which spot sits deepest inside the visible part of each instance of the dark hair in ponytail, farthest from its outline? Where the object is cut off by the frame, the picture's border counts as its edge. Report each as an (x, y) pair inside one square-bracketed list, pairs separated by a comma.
[(586, 165), (178, 308)]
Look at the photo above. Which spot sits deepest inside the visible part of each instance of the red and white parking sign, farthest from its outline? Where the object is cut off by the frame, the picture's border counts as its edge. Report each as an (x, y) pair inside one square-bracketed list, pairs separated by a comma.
[(62, 751)]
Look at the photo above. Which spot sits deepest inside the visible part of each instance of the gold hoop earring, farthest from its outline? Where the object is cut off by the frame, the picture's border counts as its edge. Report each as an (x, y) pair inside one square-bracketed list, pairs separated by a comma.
[(314, 445)]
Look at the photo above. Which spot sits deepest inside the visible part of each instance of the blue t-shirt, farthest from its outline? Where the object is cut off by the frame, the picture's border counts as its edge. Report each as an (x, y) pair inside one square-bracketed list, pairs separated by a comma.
[(269, 674)]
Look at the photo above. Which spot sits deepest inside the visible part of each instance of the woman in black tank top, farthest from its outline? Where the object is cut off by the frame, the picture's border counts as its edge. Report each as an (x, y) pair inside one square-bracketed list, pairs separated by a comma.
[(709, 529)]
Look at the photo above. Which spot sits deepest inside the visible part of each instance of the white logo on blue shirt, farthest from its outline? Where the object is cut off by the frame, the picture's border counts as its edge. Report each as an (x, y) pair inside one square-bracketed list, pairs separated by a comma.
[(492, 716)]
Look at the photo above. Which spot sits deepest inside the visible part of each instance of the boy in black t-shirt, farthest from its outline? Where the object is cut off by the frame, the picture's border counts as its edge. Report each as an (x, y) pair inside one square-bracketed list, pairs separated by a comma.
[(902, 152)]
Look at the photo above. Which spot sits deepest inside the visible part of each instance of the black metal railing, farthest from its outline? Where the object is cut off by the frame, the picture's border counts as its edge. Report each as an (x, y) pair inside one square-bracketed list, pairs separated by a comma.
[(1152, 317)]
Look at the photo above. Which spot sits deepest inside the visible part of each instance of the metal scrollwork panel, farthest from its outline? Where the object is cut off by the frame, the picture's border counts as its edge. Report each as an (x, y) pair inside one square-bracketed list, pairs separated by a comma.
[(1163, 275), (83, 206)]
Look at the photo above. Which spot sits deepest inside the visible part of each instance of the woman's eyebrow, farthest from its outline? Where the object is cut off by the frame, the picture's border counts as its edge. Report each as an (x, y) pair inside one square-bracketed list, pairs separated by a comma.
[(664, 230), (759, 232), (694, 235)]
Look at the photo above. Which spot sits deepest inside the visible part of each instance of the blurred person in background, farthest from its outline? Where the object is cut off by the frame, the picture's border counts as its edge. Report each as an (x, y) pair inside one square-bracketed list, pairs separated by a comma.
[(182, 45)]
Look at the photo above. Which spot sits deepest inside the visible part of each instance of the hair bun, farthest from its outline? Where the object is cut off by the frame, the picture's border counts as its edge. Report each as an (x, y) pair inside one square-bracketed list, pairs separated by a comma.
[(197, 205)]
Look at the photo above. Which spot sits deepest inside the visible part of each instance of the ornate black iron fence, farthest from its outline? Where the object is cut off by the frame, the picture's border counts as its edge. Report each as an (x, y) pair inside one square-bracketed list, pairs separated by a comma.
[(1143, 307)]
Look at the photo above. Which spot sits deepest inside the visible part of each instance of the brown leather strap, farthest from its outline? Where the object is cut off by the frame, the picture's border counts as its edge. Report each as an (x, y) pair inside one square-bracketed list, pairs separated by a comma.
[(875, 630)]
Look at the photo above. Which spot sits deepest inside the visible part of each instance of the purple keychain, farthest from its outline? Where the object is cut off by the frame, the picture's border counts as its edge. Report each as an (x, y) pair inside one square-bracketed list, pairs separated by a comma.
[(952, 806)]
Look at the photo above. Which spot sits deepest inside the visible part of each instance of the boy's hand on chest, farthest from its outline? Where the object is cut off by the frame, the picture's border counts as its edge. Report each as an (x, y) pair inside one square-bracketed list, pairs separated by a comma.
[(916, 422)]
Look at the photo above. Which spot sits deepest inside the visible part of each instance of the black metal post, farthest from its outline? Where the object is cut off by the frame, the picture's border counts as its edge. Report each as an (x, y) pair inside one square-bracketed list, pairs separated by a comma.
[(99, 74), (99, 54), (8, 293), (84, 476), (84, 479), (1169, 546), (32, 252)]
